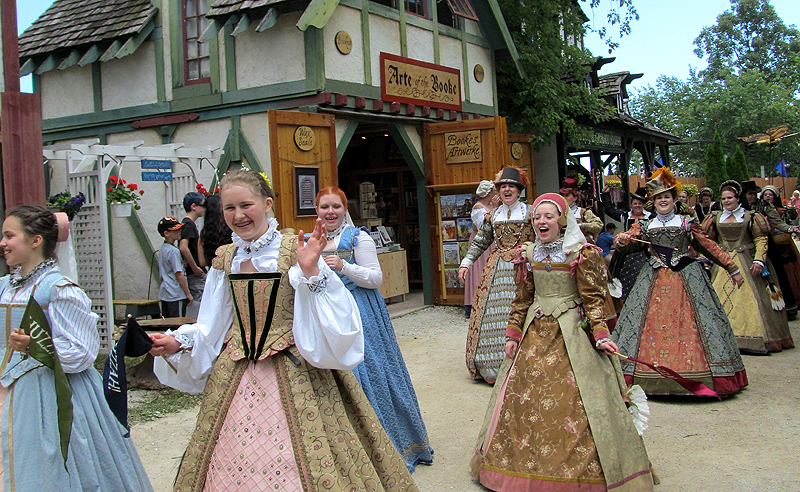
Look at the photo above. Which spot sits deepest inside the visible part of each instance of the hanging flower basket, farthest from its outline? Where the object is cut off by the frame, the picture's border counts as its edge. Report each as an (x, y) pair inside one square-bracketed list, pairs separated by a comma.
[(122, 209)]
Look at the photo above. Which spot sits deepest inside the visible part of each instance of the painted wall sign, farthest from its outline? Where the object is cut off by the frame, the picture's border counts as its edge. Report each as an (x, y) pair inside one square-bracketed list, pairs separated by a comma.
[(516, 150), (417, 82), (344, 43), (304, 138), (591, 138), (463, 147), (478, 72), (156, 164), (156, 176)]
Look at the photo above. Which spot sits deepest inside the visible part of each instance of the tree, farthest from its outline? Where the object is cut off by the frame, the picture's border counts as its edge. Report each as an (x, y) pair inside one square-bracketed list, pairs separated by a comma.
[(715, 174), (738, 167)]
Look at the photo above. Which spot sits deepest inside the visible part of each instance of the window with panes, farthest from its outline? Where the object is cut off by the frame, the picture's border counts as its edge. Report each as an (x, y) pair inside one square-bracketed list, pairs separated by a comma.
[(196, 57)]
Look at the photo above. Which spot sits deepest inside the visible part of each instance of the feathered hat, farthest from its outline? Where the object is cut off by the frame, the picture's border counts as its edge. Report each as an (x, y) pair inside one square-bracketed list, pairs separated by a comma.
[(661, 181), (512, 175)]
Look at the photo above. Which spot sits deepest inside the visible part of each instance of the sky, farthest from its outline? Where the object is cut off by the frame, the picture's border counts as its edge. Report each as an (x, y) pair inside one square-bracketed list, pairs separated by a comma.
[(660, 41)]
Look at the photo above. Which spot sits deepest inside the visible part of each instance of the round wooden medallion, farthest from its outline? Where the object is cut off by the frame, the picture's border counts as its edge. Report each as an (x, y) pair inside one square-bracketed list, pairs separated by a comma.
[(304, 138), (344, 43), (478, 72), (516, 150)]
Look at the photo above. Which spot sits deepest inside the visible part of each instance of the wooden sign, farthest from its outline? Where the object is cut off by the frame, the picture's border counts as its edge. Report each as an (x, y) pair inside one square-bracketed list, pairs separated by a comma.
[(478, 72), (462, 147), (344, 43), (304, 138), (417, 82), (516, 150)]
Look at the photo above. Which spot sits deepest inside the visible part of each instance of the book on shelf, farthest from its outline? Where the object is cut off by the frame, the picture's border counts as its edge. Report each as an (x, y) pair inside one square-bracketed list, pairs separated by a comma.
[(451, 280), (464, 229), (451, 254), (463, 205), (449, 230), (447, 204)]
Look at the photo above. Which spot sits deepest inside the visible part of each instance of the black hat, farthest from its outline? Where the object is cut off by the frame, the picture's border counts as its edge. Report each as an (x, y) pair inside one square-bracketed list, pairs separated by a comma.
[(640, 194), (168, 224), (750, 186), (510, 175)]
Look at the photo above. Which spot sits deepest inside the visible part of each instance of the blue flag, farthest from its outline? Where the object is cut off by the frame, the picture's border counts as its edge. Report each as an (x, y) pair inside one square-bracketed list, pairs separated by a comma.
[(781, 167)]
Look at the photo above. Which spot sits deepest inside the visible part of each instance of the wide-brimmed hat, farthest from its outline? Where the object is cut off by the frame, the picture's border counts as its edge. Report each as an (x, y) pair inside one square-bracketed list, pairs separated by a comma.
[(706, 191), (750, 186), (732, 185), (512, 175), (661, 181), (568, 186), (640, 194)]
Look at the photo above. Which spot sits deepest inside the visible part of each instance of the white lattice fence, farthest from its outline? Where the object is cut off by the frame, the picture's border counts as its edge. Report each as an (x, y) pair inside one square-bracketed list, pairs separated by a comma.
[(89, 230), (180, 185)]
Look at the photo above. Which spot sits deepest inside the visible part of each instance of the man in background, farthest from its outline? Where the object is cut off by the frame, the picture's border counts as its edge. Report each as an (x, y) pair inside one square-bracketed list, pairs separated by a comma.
[(195, 205)]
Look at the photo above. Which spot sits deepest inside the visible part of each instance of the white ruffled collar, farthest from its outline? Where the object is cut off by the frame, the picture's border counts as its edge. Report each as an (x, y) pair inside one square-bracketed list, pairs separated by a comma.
[(554, 250), (254, 246), (738, 213)]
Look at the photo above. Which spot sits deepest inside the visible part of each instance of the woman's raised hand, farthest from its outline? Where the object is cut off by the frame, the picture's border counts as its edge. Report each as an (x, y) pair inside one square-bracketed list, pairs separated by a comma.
[(309, 251)]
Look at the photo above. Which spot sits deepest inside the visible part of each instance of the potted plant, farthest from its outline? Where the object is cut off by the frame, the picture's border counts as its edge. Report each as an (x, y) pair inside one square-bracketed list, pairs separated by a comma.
[(123, 196), (65, 202)]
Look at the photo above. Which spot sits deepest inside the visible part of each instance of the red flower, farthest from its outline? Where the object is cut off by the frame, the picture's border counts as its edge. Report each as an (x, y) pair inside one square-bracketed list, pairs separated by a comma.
[(108, 189), (122, 181), (133, 186), (199, 186), (216, 190), (112, 178), (141, 192)]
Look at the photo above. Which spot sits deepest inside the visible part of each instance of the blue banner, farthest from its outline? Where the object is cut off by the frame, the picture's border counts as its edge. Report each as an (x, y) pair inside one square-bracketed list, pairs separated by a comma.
[(157, 164), (156, 176)]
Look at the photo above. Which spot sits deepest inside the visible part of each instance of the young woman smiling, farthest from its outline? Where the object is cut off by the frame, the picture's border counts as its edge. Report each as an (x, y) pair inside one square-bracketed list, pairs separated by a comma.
[(672, 316), (383, 375), (507, 227), (274, 341), (557, 419), (759, 325)]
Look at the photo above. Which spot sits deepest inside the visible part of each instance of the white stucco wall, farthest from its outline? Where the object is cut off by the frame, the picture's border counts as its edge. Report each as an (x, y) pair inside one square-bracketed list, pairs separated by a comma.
[(472, 27), (480, 92), (255, 128), (420, 43), (164, 12), (270, 57), (131, 80), (66, 92), (384, 35), (450, 56), (414, 135), (350, 67)]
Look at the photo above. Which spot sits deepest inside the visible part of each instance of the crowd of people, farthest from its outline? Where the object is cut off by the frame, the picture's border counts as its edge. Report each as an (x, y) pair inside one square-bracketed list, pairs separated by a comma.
[(304, 384)]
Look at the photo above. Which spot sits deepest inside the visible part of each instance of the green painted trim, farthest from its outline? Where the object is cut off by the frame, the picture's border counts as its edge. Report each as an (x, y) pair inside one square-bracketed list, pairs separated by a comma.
[(425, 246), (437, 50), (241, 26), (407, 149), (235, 132), (464, 59), (494, 84), (213, 50), (449, 31), (48, 64), (190, 91), (365, 42), (477, 40), (211, 31), (183, 105), (421, 22), (317, 14), (27, 67), (91, 56), (230, 60), (36, 83), (482, 109), (141, 236), (341, 147), (223, 163), (71, 59), (353, 89), (384, 11), (133, 42), (97, 87), (403, 33), (512, 48), (274, 91), (112, 51), (356, 4), (315, 58), (166, 132), (176, 44), (114, 116), (161, 85), (247, 153)]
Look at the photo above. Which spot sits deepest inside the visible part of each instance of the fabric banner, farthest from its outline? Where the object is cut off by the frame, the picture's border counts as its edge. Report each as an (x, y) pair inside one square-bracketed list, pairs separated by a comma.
[(34, 323), (134, 342)]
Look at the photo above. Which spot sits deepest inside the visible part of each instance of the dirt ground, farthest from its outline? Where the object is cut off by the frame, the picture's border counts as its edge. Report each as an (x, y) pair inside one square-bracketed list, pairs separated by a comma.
[(744, 443)]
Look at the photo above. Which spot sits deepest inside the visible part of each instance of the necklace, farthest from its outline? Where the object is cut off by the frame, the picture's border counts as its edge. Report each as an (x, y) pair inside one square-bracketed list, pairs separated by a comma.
[(506, 230), (16, 279), (250, 247), (332, 234), (664, 218), (549, 252)]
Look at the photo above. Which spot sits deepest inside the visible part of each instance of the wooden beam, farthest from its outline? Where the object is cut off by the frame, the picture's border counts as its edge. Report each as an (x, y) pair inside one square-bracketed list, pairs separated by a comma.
[(47, 65), (242, 25), (214, 26), (317, 14), (71, 59), (91, 56), (135, 41), (112, 51), (268, 21), (27, 67)]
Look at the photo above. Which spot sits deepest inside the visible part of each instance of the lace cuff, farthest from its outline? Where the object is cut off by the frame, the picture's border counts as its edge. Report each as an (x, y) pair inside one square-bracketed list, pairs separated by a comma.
[(317, 283), (186, 341)]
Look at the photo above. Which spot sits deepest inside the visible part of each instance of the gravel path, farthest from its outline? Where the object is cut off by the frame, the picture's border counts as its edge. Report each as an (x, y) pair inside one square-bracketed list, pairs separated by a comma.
[(743, 443)]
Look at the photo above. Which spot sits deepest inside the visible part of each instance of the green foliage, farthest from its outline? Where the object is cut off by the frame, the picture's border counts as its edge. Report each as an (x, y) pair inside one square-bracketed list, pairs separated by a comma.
[(550, 99), (690, 188), (738, 167), (715, 172)]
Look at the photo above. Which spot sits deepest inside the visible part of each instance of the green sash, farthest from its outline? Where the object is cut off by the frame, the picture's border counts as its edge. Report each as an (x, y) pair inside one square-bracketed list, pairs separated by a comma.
[(34, 323)]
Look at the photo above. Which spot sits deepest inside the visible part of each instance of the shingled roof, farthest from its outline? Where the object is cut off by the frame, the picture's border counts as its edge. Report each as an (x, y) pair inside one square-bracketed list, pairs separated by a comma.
[(83, 31), (226, 7)]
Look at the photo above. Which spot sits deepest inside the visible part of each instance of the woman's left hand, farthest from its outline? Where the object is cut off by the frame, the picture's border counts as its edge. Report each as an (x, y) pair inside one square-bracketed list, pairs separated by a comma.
[(756, 268), (609, 347), (334, 262), (308, 251), (511, 348), (18, 340)]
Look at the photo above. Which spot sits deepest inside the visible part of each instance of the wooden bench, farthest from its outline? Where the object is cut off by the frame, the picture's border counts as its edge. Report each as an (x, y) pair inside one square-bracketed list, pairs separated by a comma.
[(140, 307)]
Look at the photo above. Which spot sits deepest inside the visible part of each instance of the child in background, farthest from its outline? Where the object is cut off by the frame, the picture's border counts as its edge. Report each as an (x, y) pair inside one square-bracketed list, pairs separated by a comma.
[(174, 292)]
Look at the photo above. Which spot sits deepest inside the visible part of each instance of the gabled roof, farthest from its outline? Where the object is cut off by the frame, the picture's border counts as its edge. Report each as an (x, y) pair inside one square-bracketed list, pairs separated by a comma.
[(73, 32)]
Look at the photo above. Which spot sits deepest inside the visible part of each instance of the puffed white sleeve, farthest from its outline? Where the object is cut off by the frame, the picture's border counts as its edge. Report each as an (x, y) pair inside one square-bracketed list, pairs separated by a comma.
[(366, 271), (478, 215), (74, 328), (327, 325), (201, 342)]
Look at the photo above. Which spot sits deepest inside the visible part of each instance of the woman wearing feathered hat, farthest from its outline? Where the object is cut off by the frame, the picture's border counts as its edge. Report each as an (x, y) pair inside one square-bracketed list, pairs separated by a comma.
[(507, 227), (757, 310), (672, 316), (557, 419)]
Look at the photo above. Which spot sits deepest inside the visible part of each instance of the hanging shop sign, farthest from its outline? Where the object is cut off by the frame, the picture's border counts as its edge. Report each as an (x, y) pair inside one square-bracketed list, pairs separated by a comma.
[(163, 173), (478, 72), (304, 138), (590, 138), (344, 43), (463, 147), (417, 82)]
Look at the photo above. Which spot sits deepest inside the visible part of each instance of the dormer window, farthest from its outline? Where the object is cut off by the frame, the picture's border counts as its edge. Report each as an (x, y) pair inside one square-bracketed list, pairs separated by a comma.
[(196, 58)]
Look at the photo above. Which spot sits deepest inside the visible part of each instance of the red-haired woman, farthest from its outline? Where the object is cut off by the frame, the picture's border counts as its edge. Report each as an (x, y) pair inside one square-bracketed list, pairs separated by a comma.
[(383, 375), (507, 227)]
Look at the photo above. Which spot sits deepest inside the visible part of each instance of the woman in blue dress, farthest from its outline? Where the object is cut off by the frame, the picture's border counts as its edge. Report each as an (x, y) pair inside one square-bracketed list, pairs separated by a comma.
[(100, 455), (383, 375)]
